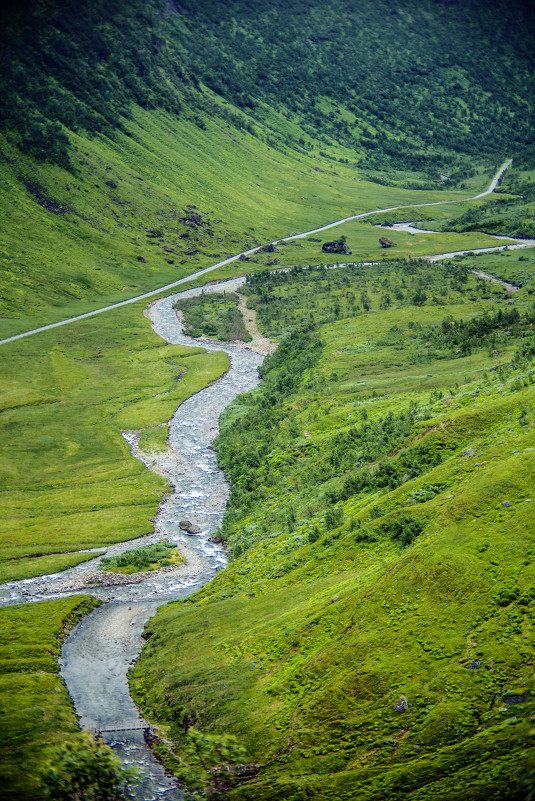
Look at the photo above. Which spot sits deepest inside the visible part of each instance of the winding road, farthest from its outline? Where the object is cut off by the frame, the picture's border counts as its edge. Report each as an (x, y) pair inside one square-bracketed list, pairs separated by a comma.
[(193, 276)]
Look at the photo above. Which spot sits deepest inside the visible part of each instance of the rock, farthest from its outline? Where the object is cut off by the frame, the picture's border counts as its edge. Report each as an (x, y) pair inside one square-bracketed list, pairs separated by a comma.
[(475, 664), (385, 242), (189, 528), (334, 599), (506, 504), (272, 262), (336, 246), (469, 452), (193, 219), (401, 705), (511, 698), (243, 257), (140, 258), (270, 248)]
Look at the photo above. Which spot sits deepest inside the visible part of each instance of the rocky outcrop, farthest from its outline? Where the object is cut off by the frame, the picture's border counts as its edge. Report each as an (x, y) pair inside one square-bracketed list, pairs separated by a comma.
[(385, 242), (336, 246), (270, 248)]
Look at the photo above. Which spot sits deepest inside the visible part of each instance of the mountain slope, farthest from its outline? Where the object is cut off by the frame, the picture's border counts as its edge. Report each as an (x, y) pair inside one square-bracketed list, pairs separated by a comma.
[(380, 520)]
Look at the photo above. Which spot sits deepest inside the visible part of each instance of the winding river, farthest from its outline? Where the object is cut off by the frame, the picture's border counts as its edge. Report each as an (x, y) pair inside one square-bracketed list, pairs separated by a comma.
[(96, 656)]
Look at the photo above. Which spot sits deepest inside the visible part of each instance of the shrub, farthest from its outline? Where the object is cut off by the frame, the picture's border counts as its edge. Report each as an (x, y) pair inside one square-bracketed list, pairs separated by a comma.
[(87, 769), (406, 529)]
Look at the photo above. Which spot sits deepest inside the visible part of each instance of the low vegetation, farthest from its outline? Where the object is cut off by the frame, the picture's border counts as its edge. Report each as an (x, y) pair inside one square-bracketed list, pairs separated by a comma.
[(148, 557), (372, 637), (214, 316)]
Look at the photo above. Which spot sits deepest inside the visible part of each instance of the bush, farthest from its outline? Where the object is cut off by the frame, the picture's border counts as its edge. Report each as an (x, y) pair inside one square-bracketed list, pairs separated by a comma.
[(406, 529), (87, 770)]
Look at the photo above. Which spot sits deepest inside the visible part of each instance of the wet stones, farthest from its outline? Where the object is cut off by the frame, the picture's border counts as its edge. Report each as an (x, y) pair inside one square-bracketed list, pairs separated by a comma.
[(189, 528), (475, 664)]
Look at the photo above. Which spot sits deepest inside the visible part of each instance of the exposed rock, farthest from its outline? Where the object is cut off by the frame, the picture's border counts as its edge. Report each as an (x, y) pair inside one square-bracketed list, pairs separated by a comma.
[(511, 698), (469, 452), (401, 705), (243, 257), (270, 248), (334, 599), (506, 504), (385, 242), (475, 664), (141, 258), (188, 527), (336, 246), (272, 262), (193, 218)]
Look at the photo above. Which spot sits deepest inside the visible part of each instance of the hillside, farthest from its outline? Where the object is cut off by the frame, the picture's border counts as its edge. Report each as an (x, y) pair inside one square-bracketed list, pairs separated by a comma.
[(182, 134), (380, 522), (143, 140)]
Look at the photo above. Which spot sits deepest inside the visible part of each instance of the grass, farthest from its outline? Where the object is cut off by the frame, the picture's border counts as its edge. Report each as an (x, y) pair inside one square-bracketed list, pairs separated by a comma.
[(323, 620), (68, 479), (261, 194), (37, 713)]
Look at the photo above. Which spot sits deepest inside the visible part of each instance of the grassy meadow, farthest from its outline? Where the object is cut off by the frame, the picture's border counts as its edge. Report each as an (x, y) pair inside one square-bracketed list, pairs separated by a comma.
[(37, 713), (380, 522), (68, 479)]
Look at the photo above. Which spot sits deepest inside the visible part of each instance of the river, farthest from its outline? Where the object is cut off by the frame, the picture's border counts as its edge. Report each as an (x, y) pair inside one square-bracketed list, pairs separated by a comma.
[(96, 656)]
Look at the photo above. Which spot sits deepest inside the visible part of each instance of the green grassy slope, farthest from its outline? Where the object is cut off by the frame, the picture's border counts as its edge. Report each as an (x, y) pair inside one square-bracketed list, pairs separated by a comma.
[(37, 713), (380, 518), (63, 226), (68, 479)]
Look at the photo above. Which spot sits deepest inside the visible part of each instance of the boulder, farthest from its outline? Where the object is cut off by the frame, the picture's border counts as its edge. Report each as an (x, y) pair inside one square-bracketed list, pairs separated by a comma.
[(401, 705), (385, 242), (270, 248), (475, 664), (189, 528), (336, 246)]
